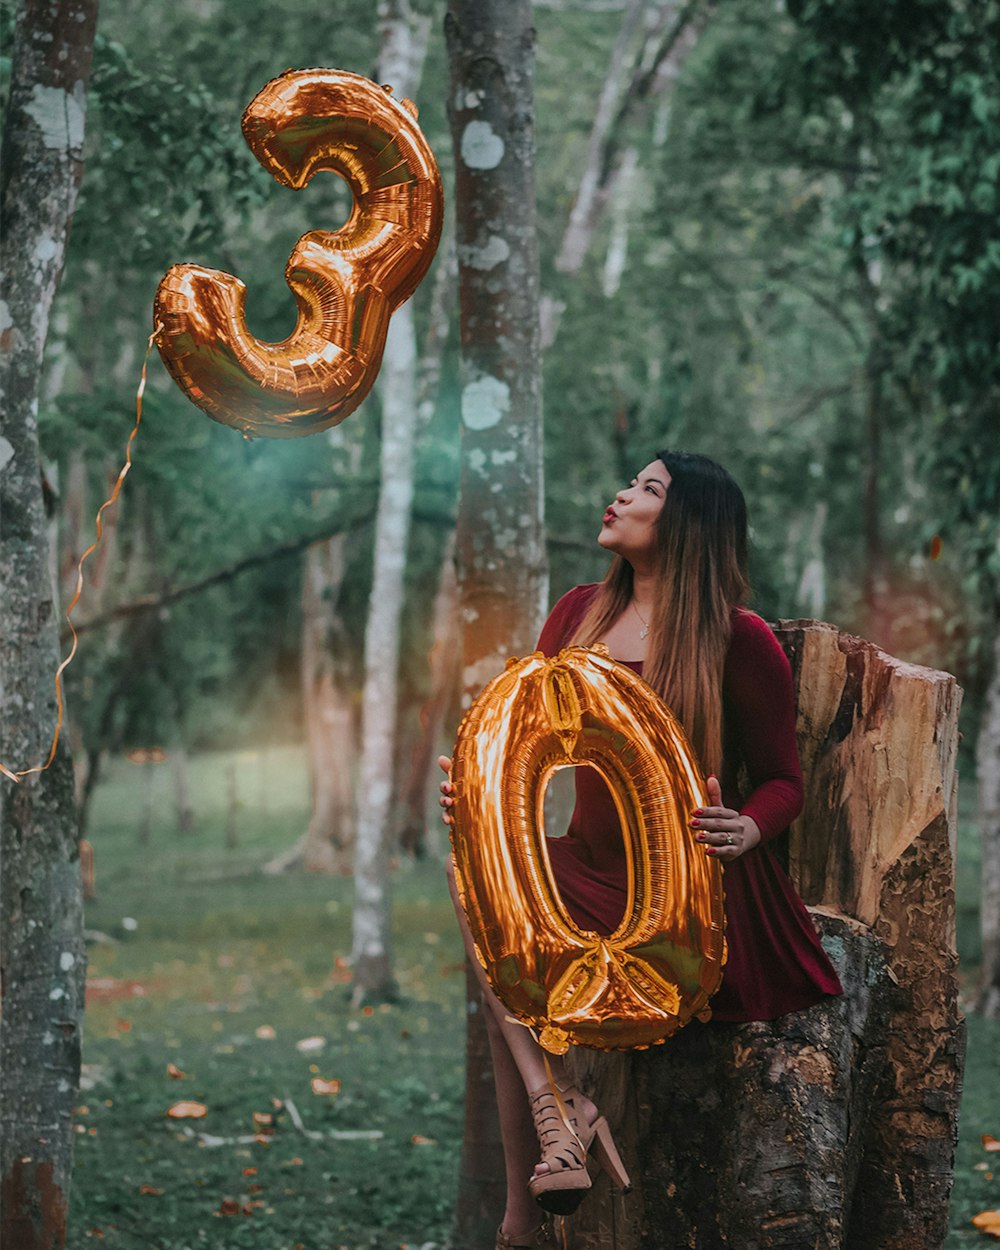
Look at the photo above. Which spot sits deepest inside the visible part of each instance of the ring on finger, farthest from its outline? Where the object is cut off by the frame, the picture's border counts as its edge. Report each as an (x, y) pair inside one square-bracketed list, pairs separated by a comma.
[(730, 840)]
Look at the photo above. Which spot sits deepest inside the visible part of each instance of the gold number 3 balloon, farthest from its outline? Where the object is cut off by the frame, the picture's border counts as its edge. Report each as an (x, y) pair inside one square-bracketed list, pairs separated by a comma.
[(347, 282), (661, 965)]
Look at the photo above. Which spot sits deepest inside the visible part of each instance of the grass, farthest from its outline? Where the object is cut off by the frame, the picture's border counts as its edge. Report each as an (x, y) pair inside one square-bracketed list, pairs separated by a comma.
[(226, 972), (223, 977)]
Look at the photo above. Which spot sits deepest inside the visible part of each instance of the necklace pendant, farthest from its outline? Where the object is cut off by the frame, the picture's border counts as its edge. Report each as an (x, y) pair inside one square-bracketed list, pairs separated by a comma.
[(644, 631)]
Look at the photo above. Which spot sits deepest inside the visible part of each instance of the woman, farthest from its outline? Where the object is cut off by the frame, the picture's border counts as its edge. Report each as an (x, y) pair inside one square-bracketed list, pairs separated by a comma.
[(671, 608)]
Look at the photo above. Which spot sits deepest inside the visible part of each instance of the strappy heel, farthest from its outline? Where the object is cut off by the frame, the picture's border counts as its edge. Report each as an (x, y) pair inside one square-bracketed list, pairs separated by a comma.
[(540, 1238), (565, 1143)]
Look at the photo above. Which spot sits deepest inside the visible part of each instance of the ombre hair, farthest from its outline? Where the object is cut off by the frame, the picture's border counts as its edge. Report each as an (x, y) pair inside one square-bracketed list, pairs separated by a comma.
[(701, 564)]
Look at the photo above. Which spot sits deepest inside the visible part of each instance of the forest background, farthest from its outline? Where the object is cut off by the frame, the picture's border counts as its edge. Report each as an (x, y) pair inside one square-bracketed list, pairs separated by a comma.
[(774, 241)]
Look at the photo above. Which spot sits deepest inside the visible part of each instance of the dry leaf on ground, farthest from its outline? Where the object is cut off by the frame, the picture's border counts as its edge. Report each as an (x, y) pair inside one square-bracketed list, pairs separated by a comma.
[(988, 1222), (187, 1111), (319, 1086)]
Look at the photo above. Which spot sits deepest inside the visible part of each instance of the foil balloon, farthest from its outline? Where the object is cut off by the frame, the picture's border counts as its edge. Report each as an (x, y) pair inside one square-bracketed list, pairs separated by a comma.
[(638, 985), (346, 282)]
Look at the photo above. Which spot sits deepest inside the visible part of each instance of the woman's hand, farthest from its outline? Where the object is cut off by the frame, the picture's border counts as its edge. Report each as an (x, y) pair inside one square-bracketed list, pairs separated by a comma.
[(447, 790), (724, 833)]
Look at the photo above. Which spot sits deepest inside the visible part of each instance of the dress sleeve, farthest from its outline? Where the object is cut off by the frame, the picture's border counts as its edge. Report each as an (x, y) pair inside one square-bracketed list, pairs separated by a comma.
[(759, 700), (564, 619)]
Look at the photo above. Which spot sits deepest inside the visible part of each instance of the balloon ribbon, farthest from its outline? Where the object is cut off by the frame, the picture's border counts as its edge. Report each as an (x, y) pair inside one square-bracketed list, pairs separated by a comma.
[(40, 768)]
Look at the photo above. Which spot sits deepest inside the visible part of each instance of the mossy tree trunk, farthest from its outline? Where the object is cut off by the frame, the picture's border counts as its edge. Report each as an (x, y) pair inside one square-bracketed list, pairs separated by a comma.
[(500, 534), (41, 919)]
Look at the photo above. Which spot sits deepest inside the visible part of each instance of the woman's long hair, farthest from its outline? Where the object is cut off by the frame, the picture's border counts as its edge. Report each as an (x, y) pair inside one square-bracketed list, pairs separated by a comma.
[(701, 552)]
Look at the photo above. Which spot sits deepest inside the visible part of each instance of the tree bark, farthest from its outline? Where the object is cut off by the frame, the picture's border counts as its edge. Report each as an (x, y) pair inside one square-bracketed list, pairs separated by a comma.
[(327, 845), (404, 41), (500, 533), (42, 962), (636, 75), (445, 670), (832, 1128), (988, 778)]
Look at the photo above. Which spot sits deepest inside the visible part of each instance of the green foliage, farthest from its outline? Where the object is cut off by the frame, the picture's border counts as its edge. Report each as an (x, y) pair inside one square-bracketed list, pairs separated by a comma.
[(818, 202)]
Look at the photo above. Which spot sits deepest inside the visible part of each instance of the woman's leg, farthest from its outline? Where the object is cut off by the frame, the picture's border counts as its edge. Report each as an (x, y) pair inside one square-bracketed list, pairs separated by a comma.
[(519, 1069)]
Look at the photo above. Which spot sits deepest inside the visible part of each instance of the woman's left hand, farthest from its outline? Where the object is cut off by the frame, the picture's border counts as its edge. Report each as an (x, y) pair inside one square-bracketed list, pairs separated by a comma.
[(724, 833)]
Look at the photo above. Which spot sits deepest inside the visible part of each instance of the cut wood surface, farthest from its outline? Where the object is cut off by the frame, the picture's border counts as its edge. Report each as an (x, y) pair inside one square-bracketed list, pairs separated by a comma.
[(834, 1128)]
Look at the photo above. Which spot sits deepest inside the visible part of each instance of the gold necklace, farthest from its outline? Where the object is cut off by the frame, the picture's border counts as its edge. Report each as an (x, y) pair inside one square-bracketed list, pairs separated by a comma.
[(645, 624)]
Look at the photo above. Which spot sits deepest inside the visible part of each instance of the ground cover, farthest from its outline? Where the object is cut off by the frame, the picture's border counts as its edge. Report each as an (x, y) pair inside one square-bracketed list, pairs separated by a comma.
[(324, 1126), (229, 977)]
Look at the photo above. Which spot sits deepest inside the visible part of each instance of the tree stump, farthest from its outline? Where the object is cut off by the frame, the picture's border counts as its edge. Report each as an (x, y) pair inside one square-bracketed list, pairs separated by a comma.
[(833, 1128)]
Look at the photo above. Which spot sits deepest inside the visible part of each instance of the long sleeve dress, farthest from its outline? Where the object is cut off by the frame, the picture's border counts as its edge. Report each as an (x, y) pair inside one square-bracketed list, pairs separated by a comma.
[(776, 963)]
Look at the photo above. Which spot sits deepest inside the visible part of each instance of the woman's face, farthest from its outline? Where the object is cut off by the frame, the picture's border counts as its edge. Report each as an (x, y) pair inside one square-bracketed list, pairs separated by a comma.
[(629, 527)]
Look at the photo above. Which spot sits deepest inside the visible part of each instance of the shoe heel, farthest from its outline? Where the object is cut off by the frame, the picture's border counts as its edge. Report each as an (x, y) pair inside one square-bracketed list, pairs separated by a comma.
[(606, 1153)]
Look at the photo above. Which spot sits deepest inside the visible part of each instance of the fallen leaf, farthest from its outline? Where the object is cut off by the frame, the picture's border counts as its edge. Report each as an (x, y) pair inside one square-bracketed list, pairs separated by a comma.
[(417, 1140), (261, 1118), (990, 1143), (174, 1071), (308, 1044), (319, 1086), (249, 1171), (988, 1222), (228, 1206), (150, 1190), (187, 1111), (265, 1032)]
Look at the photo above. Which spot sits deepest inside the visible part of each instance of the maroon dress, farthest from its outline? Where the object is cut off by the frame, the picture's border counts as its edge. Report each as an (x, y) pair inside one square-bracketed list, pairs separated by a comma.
[(776, 963)]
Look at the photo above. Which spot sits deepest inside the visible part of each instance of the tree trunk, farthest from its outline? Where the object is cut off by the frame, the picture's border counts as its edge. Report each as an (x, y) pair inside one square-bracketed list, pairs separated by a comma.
[(445, 672), (404, 41), (988, 777), (500, 537), (42, 962), (232, 805), (186, 822), (636, 75), (327, 845), (834, 1128)]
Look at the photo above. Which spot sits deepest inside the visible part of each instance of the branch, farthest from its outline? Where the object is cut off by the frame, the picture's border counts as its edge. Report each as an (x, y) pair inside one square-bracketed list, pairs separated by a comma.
[(154, 602)]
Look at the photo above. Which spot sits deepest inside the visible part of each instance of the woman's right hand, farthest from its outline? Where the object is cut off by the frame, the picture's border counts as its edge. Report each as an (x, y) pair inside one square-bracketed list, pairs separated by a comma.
[(447, 790)]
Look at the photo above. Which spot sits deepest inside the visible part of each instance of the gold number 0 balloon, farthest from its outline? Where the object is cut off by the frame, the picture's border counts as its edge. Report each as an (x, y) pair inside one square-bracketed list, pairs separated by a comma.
[(347, 283), (661, 965)]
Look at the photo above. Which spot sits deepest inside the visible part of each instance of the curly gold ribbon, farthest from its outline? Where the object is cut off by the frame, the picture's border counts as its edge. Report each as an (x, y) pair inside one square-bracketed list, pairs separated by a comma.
[(40, 768)]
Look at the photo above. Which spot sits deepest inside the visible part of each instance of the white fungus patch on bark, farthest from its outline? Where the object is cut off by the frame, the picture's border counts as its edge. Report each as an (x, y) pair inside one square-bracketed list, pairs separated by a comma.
[(492, 253), (59, 115), (485, 403), (67, 960), (476, 675), (46, 250), (482, 147), (503, 457), (477, 460), (6, 453)]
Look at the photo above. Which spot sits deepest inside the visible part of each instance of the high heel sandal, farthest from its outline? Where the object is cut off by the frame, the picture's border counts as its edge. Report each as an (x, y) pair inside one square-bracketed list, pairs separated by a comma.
[(540, 1238), (565, 1143)]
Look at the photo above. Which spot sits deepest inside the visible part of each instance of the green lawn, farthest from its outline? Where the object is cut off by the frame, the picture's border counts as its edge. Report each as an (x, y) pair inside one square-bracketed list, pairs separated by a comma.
[(225, 976), (227, 972)]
